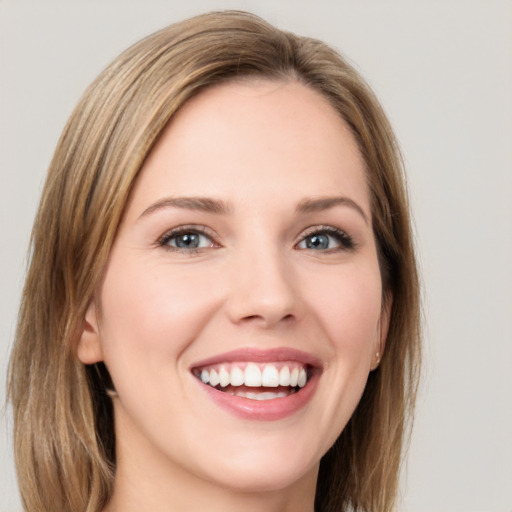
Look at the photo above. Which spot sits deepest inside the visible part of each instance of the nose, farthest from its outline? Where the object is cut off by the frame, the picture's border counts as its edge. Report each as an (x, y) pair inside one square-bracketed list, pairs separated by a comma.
[(263, 289)]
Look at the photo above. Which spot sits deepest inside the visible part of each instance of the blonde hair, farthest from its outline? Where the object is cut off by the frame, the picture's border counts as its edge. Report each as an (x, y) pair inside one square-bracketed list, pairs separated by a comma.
[(63, 424)]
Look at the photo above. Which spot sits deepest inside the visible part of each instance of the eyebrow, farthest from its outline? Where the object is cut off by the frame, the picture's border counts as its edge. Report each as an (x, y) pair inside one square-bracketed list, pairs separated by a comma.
[(202, 204), (325, 203), (216, 206)]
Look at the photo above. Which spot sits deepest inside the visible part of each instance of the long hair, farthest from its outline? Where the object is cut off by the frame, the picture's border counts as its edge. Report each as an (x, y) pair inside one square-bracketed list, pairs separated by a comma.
[(63, 421)]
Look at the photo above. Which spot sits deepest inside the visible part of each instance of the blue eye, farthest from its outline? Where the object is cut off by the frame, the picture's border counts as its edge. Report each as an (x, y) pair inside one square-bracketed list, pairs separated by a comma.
[(318, 242), (326, 239), (186, 240)]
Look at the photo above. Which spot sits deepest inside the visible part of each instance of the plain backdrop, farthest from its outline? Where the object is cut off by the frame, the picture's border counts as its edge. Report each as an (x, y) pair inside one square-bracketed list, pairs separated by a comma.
[(443, 71)]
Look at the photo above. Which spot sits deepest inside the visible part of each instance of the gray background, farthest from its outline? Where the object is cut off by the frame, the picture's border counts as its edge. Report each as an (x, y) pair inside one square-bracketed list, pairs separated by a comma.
[(443, 71)]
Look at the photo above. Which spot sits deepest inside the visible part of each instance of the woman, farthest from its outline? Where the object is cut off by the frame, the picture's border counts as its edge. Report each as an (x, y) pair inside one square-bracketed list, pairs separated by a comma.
[(221, 309)]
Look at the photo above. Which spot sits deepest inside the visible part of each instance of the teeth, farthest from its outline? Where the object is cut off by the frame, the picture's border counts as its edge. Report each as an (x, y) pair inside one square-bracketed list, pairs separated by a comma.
[(270, 377), (255, 375), (294, 377), (302, 378), (252, 376), (284, 376), (224, 377), (267, 395), (214, 378), (237, 376)]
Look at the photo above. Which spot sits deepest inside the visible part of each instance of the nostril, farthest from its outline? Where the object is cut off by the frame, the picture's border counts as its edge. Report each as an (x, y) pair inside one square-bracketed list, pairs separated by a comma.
[(266, 319), (251, 318)]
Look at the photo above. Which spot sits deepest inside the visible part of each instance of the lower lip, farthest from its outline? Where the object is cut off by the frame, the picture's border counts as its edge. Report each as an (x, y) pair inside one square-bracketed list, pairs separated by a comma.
[(263, 410)]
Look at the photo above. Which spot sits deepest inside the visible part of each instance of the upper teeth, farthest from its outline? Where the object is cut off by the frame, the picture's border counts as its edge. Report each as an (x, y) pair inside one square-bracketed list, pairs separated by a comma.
[(254, 375)]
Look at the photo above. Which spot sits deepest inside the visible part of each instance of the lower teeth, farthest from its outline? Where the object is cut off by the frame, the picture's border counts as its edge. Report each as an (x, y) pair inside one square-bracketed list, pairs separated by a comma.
[(267, 395)]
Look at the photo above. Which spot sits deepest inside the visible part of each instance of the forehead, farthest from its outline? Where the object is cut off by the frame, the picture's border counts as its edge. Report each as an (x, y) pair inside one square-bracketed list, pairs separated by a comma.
[(251, 139)]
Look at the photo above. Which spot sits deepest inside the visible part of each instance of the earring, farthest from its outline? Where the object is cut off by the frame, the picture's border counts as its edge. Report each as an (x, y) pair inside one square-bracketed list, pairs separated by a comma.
[(377, 357)]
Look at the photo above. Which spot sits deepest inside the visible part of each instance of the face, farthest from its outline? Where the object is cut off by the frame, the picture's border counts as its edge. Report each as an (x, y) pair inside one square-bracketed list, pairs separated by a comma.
[(240, 311)]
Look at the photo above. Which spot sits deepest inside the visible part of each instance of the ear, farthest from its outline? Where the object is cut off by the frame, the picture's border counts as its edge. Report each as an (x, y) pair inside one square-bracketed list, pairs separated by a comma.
[(89, 350), (383, 328)]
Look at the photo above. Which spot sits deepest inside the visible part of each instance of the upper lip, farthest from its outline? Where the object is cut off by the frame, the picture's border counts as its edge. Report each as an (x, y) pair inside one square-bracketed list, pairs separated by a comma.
[(257, 355)]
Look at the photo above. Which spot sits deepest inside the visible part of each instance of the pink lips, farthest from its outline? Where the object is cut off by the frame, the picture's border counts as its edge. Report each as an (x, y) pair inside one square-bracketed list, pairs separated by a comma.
[(265, 410)]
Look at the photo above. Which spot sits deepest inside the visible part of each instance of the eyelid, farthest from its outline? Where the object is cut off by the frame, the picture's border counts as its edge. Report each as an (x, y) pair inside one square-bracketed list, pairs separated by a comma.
[(345, 240), (183, 229)]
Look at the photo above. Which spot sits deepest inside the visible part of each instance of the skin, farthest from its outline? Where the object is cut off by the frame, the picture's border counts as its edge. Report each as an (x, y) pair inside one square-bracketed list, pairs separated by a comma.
[(262, 148)]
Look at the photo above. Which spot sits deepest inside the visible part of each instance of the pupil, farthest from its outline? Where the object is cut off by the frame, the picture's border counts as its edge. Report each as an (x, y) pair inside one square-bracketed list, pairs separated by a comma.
[(317, 242), (188, 240)]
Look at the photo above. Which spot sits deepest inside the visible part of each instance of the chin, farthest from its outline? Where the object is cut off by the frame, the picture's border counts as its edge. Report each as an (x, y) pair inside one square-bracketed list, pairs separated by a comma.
[(271, 477), (263, 467)]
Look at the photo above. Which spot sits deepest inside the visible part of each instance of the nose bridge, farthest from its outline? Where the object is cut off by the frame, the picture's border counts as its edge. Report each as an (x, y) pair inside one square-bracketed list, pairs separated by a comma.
[(262, 285)]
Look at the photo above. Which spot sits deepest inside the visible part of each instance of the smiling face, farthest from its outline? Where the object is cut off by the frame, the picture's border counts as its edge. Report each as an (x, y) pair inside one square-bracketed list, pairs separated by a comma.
[(240, 311)]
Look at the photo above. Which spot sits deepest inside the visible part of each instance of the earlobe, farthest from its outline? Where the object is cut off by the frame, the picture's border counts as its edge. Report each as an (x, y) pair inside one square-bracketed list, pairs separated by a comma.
[(89, 350)]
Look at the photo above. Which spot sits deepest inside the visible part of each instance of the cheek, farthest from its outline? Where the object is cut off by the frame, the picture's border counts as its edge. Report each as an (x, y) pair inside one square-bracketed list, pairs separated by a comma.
[(152, 315), (348, 305)]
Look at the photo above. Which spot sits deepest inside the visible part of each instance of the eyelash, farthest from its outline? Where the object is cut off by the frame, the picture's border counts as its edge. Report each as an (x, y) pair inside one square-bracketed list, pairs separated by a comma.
[(346, 243), (164, 240)]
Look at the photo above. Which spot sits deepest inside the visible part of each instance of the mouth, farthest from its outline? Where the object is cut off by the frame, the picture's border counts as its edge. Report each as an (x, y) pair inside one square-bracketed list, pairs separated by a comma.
[(256, 381), (261, 385)]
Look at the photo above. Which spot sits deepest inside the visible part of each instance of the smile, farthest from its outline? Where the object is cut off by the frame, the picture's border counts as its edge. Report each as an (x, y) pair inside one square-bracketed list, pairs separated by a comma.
[(283, 378), (260, 385)]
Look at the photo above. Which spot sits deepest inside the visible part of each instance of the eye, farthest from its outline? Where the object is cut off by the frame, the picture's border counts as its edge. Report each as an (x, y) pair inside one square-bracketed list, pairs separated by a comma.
[(186, 239), (326, 239)]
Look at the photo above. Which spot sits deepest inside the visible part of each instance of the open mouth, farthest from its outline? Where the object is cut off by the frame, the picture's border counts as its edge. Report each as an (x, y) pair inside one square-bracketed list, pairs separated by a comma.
[(254, 380)]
